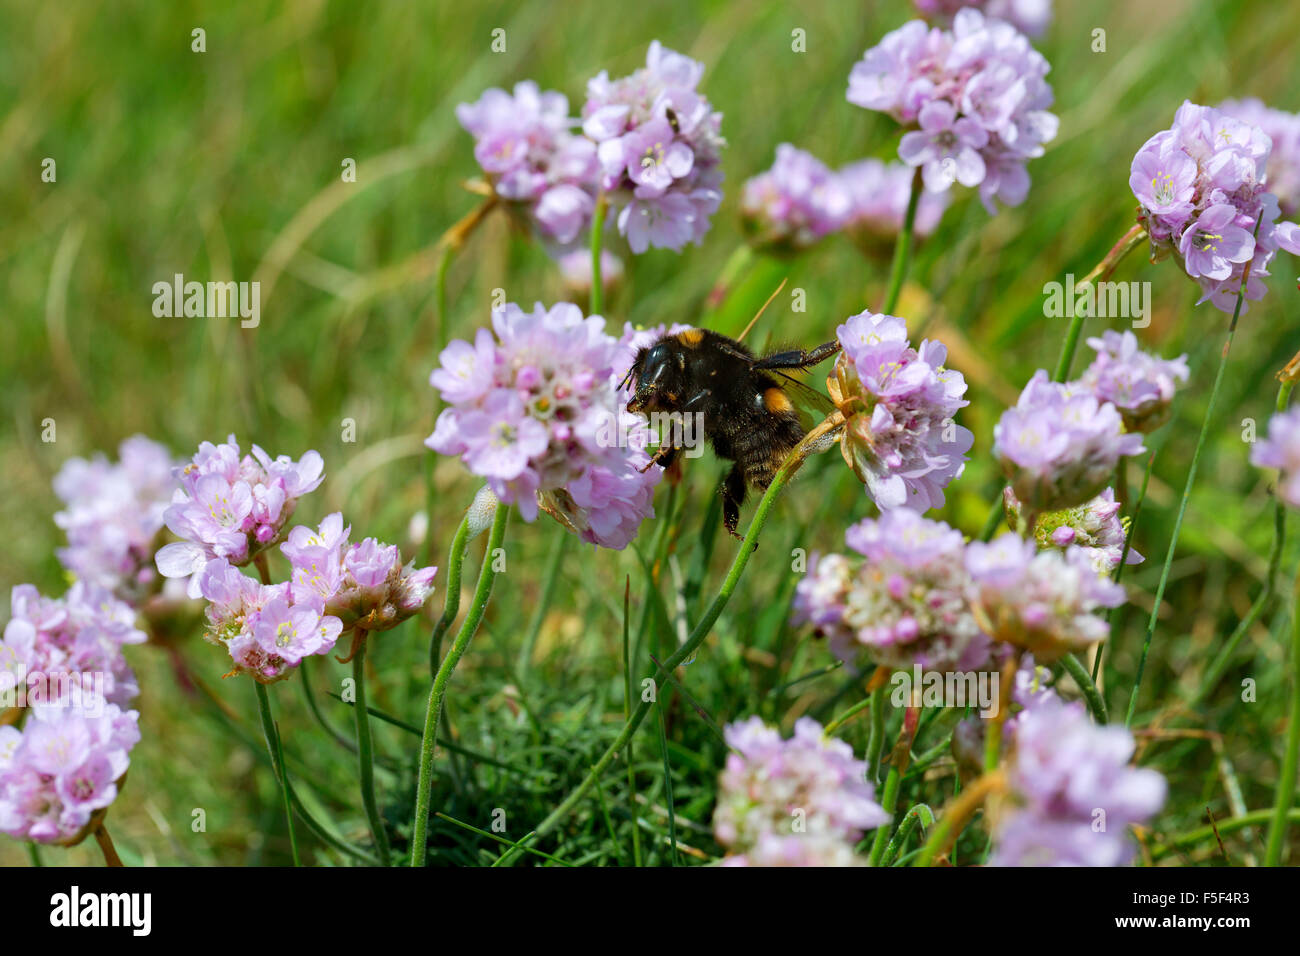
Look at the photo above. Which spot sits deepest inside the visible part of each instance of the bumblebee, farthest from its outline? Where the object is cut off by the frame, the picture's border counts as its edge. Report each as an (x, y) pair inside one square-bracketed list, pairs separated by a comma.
[(744, 400)]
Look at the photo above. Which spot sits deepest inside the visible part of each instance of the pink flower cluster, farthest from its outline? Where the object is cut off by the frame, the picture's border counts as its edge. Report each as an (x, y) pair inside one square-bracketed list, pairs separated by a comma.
[(536, 411), (364, 585), (800, 201), (898, 402), (526, 145), (978, 93), (232, 506), (1041, 601), (1030, 17), (905, 603), (1202, 189), (659, 145), (113, 516), (62, 667), (1059, 445), (266, 628), (799, 802), (1282, 168), (55, 643), (1067, 776), (60, 772), (1140, 385)]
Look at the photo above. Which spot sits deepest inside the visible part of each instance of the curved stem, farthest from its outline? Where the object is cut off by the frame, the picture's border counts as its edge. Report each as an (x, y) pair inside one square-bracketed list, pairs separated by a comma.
[(702, 628), (1187, 494), (309, 696), (365, 754), (451, 602), (1286, 783), (1074, 667), (903, 247), (900, 837), (272, 735), (842, 719), (420, 828), (106, 845), (1127, 243)]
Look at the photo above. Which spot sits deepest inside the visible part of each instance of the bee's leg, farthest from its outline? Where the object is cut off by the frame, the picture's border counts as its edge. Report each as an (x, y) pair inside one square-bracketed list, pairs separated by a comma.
[(798, 358), (733, 496), (664, 456)]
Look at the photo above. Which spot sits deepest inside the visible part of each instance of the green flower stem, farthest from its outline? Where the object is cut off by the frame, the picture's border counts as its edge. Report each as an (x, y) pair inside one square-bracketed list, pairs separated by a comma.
[(899, 839), (309, 696), (552, 576), (627, 715), (1286, 783), (1215, 672), (1100, 272), (888, 801), (597, 287), (277, 762), (842, 719), (959, 812), (1201, 834), (903, 247), (34, 854), (876, 733), (701, 631), (1096, 703), (1123, 556), (1187, 494), (420, 828), (451, 598), (365, 755)]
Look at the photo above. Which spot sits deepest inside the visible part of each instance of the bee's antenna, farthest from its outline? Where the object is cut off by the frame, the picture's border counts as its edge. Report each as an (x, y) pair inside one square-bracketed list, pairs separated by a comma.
[(758, 315)]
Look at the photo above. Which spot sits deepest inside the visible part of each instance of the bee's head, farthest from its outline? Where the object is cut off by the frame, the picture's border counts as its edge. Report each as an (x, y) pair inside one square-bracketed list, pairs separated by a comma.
[(658, 378)]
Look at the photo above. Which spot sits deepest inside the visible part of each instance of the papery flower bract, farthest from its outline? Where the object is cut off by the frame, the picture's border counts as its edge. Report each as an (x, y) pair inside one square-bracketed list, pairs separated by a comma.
[(534, 160), (898, 403), (59, 774), (113, 516), (537, 412), (799, 802), (1206, 199), (795, 203), (1064, 772), (1094, 527), (1140, 385), (231, 506), (1040, 601), (1059, 445), (659, 144), (1281, 450), (906, 603), (979, 94), (71, 644), (363, 585)]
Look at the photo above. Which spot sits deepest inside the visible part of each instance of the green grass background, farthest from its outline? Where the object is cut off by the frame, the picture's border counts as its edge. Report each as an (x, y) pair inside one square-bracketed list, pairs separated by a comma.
[(226, 165)]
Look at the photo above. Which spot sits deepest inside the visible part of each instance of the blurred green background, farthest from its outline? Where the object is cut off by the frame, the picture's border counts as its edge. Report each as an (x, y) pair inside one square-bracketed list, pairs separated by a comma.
[(226, 165)]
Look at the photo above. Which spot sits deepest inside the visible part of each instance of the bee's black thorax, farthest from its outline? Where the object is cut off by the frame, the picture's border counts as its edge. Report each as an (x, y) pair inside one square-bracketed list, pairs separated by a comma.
[(747, 415)]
